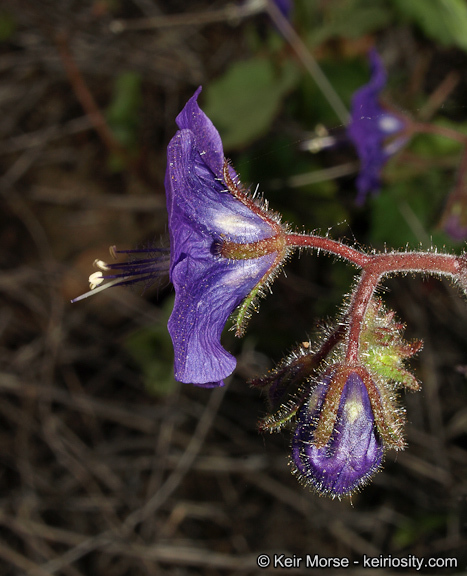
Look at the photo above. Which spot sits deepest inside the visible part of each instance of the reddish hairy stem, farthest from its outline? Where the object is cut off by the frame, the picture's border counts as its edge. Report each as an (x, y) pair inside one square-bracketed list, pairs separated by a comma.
[(433, 263), (374, 267), (358, 258), (380, 265), (360, 300)]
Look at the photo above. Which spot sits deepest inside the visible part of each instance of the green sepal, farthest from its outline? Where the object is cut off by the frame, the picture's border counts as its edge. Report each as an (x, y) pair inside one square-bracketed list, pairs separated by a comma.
[(383, 350), (280, 419), (243, 313)]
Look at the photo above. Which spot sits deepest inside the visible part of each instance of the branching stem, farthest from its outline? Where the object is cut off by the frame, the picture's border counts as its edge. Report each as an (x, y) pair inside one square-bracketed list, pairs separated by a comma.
[(374, 268)]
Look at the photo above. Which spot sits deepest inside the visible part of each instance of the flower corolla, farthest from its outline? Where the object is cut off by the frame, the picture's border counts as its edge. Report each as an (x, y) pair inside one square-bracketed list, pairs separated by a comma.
[(353, 450), (223, 247), (376, 132)]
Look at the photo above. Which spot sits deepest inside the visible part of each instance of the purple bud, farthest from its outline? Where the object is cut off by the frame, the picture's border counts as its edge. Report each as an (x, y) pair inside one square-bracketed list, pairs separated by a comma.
[(355, 450)]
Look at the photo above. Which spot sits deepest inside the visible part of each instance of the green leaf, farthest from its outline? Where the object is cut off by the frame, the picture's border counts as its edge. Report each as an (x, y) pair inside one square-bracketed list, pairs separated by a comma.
[(354, 19), (244, 101), (442, 20)]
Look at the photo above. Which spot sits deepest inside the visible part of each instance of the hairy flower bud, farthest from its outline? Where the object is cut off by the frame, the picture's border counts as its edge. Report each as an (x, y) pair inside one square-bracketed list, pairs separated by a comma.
[(354, 450), (343, 414)]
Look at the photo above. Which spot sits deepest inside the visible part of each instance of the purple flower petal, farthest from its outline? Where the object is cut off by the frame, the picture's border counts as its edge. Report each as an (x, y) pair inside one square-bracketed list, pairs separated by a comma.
[(206, 138), (203, 213), (285, 6), (355, 450), (369, 129)]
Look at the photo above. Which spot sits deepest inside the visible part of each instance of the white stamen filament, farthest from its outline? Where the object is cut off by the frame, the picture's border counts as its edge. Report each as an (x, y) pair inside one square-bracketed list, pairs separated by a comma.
[(95, 290)]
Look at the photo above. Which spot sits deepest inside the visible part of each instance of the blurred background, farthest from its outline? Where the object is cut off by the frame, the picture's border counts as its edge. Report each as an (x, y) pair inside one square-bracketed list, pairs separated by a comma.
[(108, 466)]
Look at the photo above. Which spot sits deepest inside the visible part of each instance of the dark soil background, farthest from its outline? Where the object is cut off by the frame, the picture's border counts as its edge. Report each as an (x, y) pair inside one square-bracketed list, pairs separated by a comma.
[(101, 474)]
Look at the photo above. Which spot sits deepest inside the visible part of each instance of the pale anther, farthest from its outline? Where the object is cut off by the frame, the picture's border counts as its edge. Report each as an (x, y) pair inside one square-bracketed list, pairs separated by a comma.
[(95, 279)]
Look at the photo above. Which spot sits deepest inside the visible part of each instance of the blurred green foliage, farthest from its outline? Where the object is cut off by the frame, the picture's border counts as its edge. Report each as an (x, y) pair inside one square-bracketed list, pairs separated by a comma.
[(123, 115), (406, 214), (151, 349), (351, 19), (7, 25), (445, 21), (414, 529)]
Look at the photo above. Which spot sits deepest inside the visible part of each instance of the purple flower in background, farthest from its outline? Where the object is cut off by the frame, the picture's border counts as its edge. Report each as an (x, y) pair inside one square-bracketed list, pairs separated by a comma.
[(377, 133), (454, 218), (251, 7), (207, 209), (455, 228), (354, 451), (285, 6)]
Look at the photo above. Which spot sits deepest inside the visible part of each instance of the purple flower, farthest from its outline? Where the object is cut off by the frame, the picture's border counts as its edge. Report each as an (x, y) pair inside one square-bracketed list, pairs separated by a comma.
[(454, 227), (354, 451), (377, 133), (454, 219), (207, 210), (285, 6), (251, 7)]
